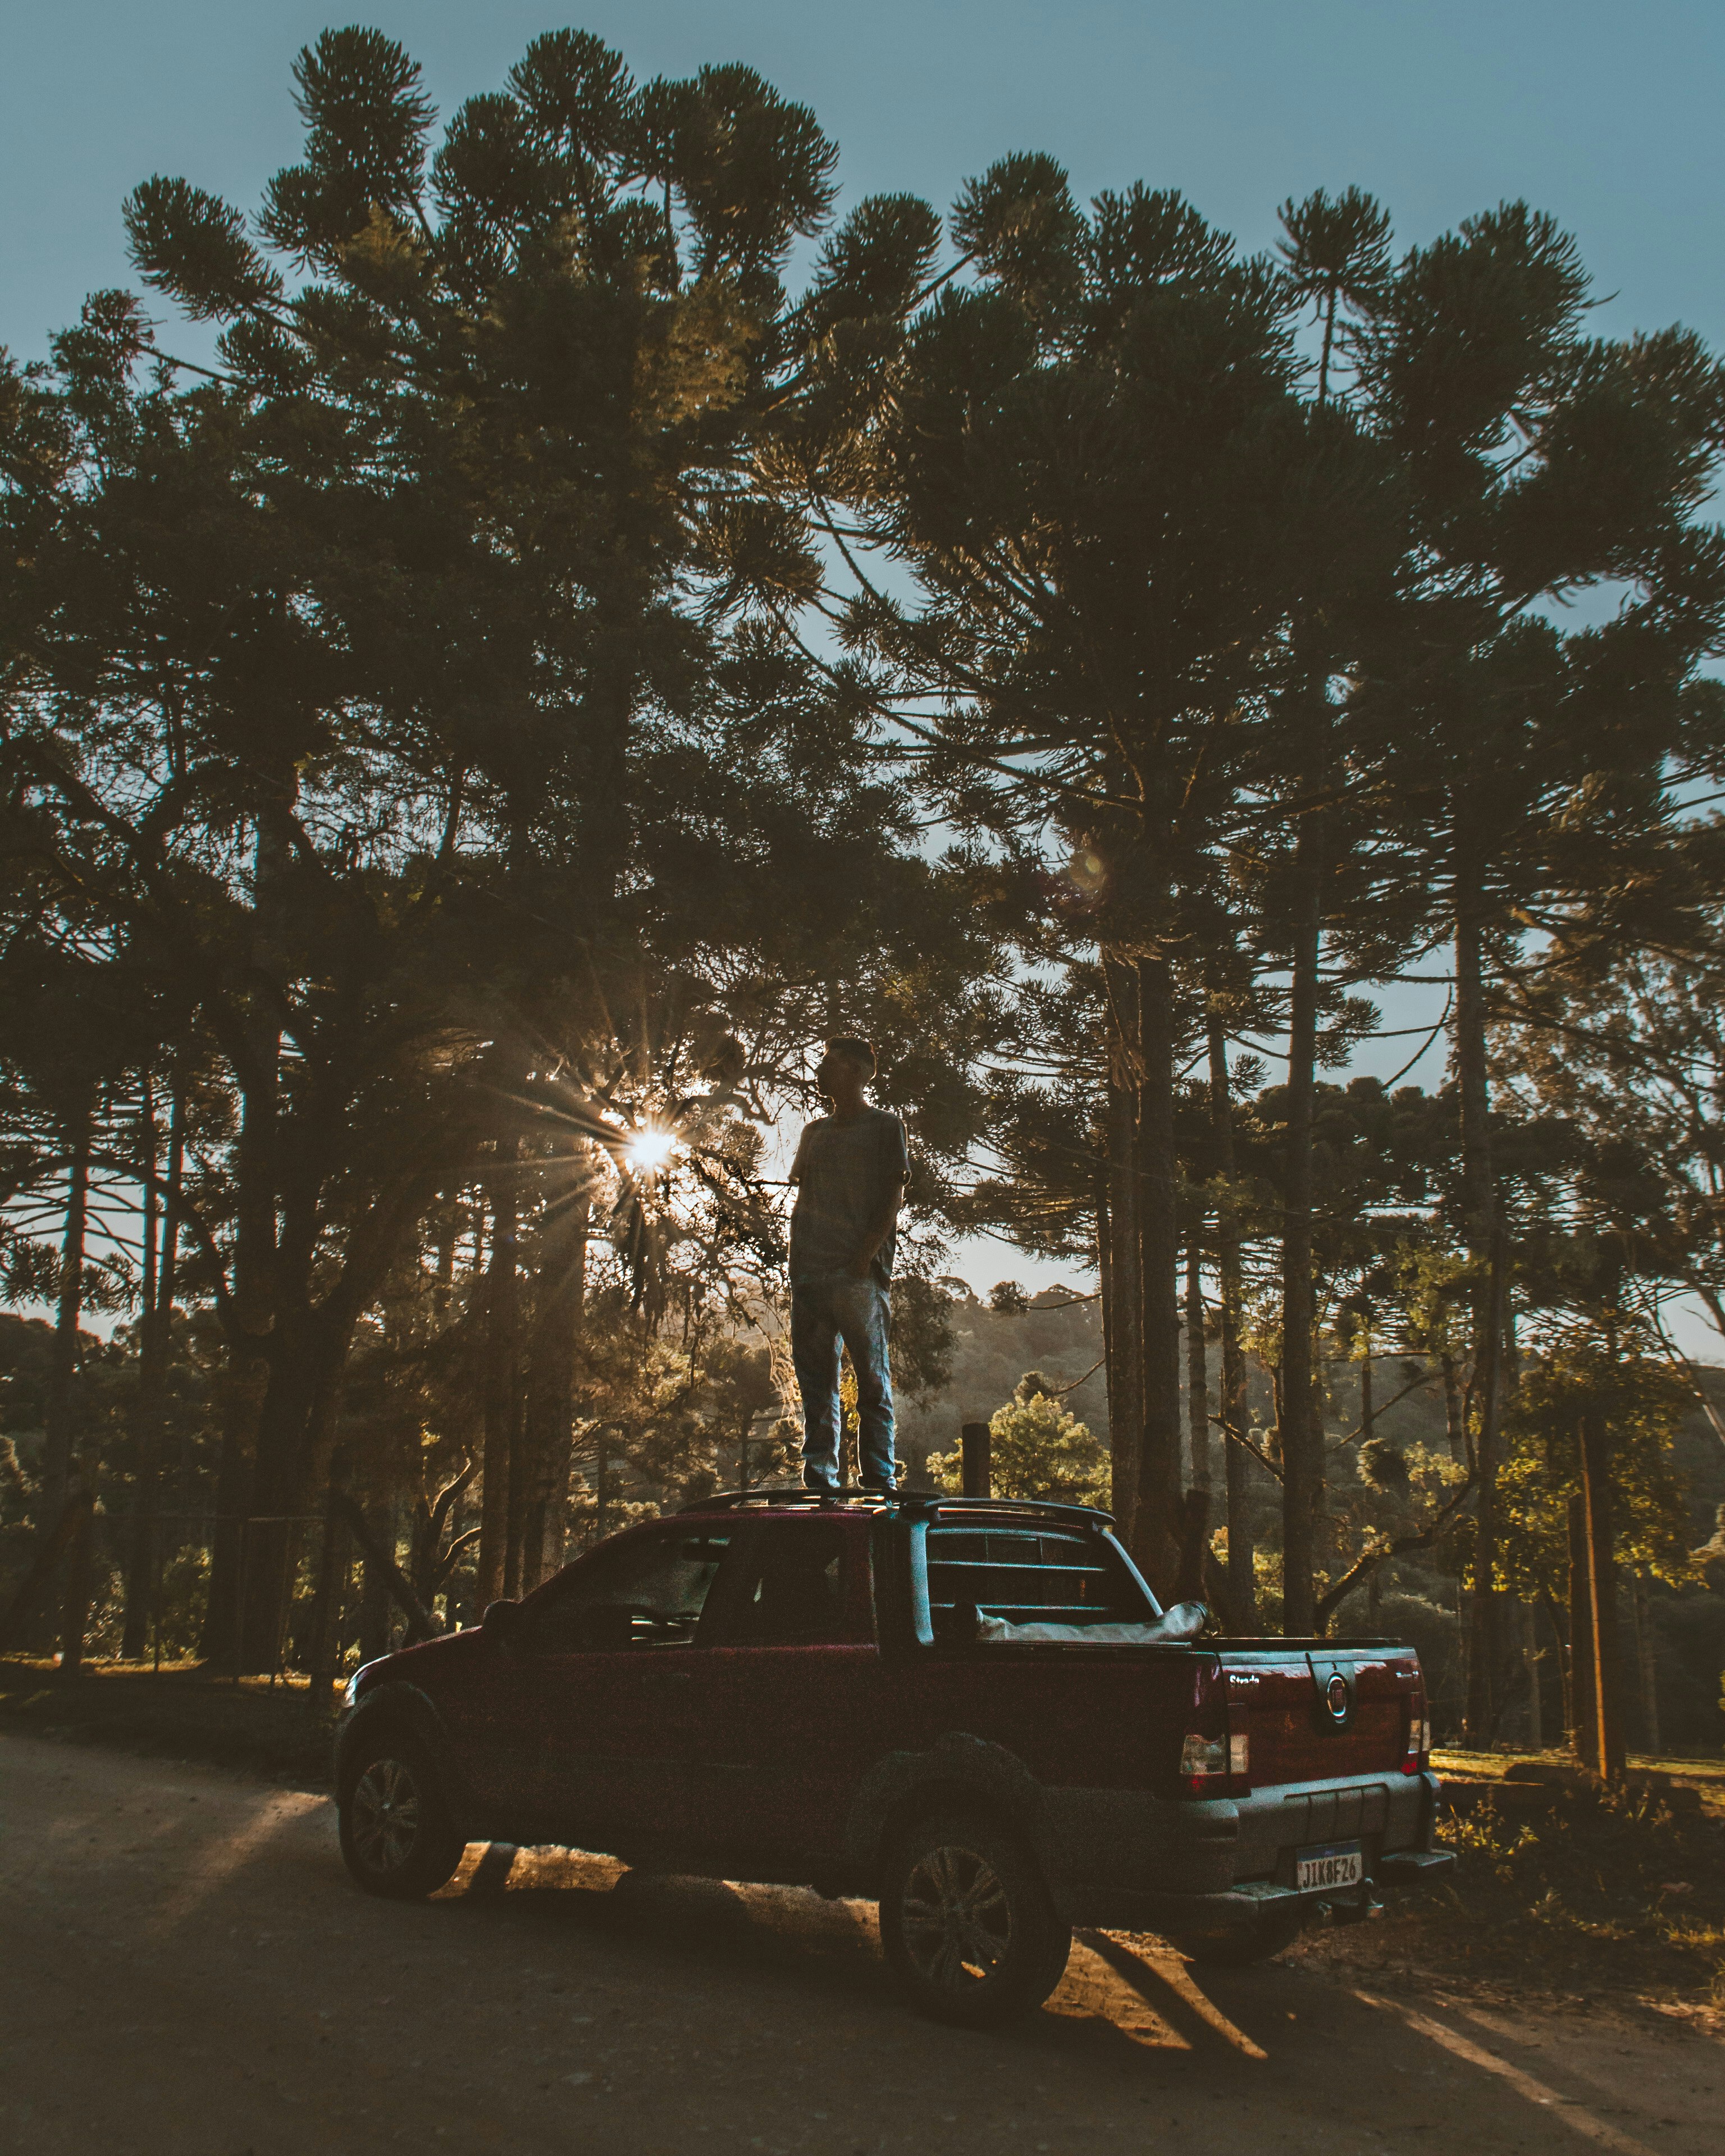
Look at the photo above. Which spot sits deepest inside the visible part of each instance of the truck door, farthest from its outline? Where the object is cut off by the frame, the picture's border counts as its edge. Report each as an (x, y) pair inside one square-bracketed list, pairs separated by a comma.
[(617, 1651), (794, 1689)]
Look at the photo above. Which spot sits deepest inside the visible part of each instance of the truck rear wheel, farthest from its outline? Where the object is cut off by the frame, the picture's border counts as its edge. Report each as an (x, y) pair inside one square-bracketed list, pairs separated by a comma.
[(1259, 1941), (397, 1838), (966, 1920)]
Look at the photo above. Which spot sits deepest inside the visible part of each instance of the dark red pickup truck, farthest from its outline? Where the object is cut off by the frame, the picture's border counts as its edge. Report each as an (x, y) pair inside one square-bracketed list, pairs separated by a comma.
[(974, 1710)]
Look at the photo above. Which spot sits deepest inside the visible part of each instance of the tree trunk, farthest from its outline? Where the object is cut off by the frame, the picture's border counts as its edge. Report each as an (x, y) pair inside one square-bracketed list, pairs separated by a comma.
[(243, 1376), (1566, 1697), (521, 1463), (550, 1388), (374, 1599), (1453, 1431), (247, 1376), (59, 1447), (1483, 1237), (323, 1652), (1104, 1286), (155, 1345), (1647, 1666), (1156, 1510), (1601, 1595), (1301, 1439), (1198, 1384), (294, 1421), (80, 1572), (502, 1391), (1583, 1713), (36, 1587), (607, 795), (143, 1508), (1242, 1579), (1126, 1396), (255, 1560), (601, 1485), (1530, 1655), (56, 1448)]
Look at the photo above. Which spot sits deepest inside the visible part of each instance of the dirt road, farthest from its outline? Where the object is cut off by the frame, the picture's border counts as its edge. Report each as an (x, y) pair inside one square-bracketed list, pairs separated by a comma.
[(184, 1969)]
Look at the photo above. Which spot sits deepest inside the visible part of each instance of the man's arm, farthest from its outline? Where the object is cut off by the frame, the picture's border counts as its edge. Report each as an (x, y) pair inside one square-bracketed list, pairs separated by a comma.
[(879, 1229), (895, 1169)]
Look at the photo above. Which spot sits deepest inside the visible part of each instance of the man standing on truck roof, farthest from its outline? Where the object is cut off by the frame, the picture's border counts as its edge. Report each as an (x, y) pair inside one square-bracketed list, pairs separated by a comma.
[(849, 1173)]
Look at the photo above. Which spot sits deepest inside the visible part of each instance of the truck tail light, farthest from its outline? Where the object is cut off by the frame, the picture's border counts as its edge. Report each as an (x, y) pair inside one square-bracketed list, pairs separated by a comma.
[(1214, 1765), (1418, 1744)]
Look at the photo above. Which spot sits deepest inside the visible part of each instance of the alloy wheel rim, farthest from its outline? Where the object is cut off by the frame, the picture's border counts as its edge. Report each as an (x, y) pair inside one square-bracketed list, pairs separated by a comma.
[(386, 1816), (957, 1918)]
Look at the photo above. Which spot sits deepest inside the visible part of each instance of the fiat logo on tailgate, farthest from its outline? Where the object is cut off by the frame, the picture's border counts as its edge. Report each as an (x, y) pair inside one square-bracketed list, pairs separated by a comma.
[(1336, 1697)]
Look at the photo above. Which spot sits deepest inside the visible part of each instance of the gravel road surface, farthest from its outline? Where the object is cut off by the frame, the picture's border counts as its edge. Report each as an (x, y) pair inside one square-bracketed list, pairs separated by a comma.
[(185, 1970)]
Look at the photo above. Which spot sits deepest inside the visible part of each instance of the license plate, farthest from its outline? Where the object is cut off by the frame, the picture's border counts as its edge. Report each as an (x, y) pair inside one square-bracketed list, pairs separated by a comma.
[(1340, 1864)]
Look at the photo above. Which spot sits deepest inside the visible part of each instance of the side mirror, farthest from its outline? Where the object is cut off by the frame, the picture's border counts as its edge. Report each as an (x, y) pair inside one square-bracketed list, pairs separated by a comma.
[(505, 1624)]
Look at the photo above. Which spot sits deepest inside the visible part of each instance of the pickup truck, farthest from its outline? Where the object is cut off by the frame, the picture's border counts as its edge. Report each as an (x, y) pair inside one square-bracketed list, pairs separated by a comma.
[(972, 1710)]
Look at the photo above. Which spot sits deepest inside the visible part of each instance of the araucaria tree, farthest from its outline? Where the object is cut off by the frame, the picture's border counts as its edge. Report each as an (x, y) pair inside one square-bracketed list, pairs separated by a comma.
[(375, 690), (1094, 454), (1239, 636)]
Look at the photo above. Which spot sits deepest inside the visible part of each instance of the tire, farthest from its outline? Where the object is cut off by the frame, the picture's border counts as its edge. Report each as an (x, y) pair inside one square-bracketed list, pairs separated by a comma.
[(968, 1928), (1259, 1941), (397, 1837)]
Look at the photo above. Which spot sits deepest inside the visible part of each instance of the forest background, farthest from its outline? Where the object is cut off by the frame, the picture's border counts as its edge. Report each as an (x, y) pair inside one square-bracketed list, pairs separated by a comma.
[(579, 618)]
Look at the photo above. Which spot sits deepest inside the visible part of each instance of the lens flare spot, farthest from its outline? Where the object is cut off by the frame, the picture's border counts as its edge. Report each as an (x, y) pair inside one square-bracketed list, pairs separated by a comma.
[(649, 1150)]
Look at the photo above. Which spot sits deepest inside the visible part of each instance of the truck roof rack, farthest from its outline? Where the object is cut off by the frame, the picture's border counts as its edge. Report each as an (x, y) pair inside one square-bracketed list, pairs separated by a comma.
[(734, 1501), (1039, 1508), (913, 1501)]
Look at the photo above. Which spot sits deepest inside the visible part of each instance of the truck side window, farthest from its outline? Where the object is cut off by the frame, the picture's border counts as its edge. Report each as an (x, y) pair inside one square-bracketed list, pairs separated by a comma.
[(1027, 1576), (648, 1592), (793, 1592)]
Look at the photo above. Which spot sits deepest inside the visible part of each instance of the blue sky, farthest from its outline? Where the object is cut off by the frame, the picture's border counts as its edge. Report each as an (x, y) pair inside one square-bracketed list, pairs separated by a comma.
[(1607, 116)]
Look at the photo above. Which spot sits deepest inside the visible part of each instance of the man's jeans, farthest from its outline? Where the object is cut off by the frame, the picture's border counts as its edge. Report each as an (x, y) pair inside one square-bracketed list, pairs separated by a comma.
[(825, 1310)]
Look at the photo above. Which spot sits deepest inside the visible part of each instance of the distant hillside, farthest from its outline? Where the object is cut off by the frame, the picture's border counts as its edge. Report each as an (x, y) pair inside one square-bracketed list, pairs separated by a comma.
[(1057, 1334)]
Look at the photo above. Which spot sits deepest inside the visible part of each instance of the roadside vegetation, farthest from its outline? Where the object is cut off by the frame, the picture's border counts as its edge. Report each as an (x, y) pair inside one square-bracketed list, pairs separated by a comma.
[(1566, 1888)]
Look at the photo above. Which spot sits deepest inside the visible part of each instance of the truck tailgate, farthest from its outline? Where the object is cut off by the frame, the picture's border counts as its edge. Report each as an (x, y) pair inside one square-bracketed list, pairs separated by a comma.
[(1315, 1713)]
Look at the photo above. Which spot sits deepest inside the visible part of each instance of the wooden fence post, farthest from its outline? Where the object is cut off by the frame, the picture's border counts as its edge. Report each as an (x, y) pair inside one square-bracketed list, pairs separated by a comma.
[(977, 1467)]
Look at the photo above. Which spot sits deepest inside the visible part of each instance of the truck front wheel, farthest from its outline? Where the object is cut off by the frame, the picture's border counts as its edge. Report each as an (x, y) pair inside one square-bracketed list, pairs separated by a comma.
[(396, 1835), (966, 1923)]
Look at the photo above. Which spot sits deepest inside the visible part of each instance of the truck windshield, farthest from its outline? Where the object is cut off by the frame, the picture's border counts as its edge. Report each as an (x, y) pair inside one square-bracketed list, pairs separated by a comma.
[(1026, 1575)]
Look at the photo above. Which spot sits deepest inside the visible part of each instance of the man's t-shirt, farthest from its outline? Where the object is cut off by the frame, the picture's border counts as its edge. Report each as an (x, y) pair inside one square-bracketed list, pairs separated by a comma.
[(843, 1172)]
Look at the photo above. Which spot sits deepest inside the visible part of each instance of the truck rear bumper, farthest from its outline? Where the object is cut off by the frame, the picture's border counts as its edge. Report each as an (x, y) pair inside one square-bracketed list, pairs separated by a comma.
[(1206, 1865), (1234, 1908)]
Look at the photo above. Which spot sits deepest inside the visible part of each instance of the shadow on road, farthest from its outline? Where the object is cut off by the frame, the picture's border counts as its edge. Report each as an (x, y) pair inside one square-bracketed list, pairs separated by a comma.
[(1122, 1995)]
